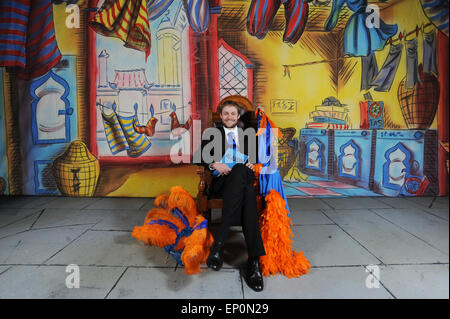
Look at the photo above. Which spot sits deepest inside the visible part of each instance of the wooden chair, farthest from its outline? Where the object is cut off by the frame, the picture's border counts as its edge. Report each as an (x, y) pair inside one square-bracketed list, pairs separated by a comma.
[(247, 119)]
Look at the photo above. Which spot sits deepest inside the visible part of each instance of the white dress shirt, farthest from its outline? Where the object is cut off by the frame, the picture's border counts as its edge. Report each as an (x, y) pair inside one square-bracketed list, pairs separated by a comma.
[(235, 136)]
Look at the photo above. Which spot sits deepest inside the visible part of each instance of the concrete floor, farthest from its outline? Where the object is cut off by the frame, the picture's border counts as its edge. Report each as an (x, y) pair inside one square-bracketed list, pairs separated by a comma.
[(358, 248)]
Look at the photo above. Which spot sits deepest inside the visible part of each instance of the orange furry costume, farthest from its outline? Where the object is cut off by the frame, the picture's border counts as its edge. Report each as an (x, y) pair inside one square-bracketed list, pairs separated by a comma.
[(176, 225)]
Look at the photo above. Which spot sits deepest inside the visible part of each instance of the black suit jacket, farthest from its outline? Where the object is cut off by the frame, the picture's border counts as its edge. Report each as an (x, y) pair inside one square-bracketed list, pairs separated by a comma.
[(246, 146)]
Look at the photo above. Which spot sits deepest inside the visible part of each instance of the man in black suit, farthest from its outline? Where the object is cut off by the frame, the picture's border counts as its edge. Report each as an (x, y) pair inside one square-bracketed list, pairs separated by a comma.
[(236, 186)]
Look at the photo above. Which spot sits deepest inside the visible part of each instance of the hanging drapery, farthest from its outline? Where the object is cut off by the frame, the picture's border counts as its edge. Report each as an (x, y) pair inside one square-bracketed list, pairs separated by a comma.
[(197, 12), (437, 12), (155, 8), (369, 70), (27, 37), (360, 39), (412, 64), (126, 20), (262, 12), (430, 52)]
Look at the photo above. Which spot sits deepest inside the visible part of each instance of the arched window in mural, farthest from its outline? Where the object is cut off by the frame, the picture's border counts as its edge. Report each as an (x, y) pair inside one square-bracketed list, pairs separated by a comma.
[(50, 109), (349, 160), (235, 72), (314, 154), (397, 166)]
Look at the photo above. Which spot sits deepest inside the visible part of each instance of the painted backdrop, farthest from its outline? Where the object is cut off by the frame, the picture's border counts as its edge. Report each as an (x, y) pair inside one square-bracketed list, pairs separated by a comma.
[(95, 96)]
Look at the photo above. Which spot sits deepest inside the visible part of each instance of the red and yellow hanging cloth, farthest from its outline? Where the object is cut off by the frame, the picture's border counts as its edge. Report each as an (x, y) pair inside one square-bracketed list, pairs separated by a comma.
[(126, 20), (27, 37)]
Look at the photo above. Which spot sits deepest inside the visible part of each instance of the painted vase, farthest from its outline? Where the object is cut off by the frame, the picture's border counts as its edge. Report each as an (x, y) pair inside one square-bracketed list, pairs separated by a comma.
[(76, 171), (420, 103)]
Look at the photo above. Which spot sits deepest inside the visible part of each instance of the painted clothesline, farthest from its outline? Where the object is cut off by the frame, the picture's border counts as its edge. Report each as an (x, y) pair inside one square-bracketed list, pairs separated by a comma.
[(391, 41)]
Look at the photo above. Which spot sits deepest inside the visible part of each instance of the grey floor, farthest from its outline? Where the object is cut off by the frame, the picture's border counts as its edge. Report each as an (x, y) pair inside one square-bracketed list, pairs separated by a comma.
[(358, 248)]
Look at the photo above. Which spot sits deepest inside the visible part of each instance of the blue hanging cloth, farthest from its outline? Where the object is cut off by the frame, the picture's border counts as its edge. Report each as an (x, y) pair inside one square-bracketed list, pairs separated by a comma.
[(360, 37), (269, 177)]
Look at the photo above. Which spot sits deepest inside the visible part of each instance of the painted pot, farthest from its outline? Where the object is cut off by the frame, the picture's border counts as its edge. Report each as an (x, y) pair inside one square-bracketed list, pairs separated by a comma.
[(420, 103), (76, 171)]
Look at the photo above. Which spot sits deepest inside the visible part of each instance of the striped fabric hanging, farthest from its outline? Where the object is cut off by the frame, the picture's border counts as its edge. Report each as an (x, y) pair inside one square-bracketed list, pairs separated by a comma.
[(126, 20), (27, 37), (155, 8), (437, 12), (120, 133), (197, 12)]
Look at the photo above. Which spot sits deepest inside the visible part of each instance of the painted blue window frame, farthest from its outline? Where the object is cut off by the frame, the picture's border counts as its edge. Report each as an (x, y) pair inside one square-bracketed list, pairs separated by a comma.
[(67, 112), (358, 160), (320, 168), (406, 162), (40, 191)]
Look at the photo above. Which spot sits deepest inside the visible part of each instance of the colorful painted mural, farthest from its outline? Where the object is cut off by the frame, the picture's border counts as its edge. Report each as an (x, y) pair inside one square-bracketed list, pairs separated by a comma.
[(97, 95)]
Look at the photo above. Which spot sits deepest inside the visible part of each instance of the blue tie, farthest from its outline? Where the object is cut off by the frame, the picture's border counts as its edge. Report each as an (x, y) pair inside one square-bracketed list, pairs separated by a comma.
[(232, 143)]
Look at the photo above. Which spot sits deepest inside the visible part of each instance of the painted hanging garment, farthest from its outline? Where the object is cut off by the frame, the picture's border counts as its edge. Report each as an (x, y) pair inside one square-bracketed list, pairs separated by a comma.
[(155, 8), (412, 64), (121, 133), (360, 39), (197, 12), (262, 12), (27, 37), (437, 12), (385, 77), (430, 52), (126, 20), (177, 226)]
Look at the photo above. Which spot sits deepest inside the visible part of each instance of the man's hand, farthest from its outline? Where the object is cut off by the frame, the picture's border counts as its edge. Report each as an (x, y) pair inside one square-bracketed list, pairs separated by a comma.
[(222, 168), (250, 165)]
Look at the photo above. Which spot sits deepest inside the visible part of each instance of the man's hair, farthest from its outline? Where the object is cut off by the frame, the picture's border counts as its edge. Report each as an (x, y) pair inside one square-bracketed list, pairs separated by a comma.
[(239, 108)]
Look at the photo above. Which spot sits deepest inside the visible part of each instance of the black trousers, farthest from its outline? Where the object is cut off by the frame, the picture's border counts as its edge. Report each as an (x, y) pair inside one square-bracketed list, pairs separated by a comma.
[(239, 207)]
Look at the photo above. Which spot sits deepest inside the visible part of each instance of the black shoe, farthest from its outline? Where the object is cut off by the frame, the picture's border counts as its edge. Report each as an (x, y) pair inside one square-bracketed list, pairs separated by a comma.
[(253, 276), (215, 258)]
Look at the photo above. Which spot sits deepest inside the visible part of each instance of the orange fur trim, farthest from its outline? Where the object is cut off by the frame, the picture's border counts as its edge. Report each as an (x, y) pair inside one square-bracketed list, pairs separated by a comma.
[(181, 199), (161, 201), (276, 234), (157, 235), (197, 247)]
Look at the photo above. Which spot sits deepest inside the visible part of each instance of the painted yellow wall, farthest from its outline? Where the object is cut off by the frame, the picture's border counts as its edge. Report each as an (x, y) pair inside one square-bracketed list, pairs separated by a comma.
[(310, 84)]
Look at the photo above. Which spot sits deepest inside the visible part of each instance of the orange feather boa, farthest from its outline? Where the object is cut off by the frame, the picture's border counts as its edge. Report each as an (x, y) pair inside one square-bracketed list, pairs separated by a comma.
[(275, 226), (195, 246)]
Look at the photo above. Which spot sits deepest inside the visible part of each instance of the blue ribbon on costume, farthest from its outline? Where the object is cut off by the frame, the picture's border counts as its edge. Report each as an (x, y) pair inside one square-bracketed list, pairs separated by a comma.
[(269, 177), (185, 232)]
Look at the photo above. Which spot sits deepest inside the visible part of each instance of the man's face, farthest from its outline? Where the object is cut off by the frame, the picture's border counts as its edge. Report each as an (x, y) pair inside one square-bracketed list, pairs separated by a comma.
[(229, 115)]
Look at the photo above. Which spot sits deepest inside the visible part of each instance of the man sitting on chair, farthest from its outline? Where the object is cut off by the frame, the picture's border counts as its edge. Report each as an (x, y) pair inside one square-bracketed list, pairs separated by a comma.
[(233, 180)]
